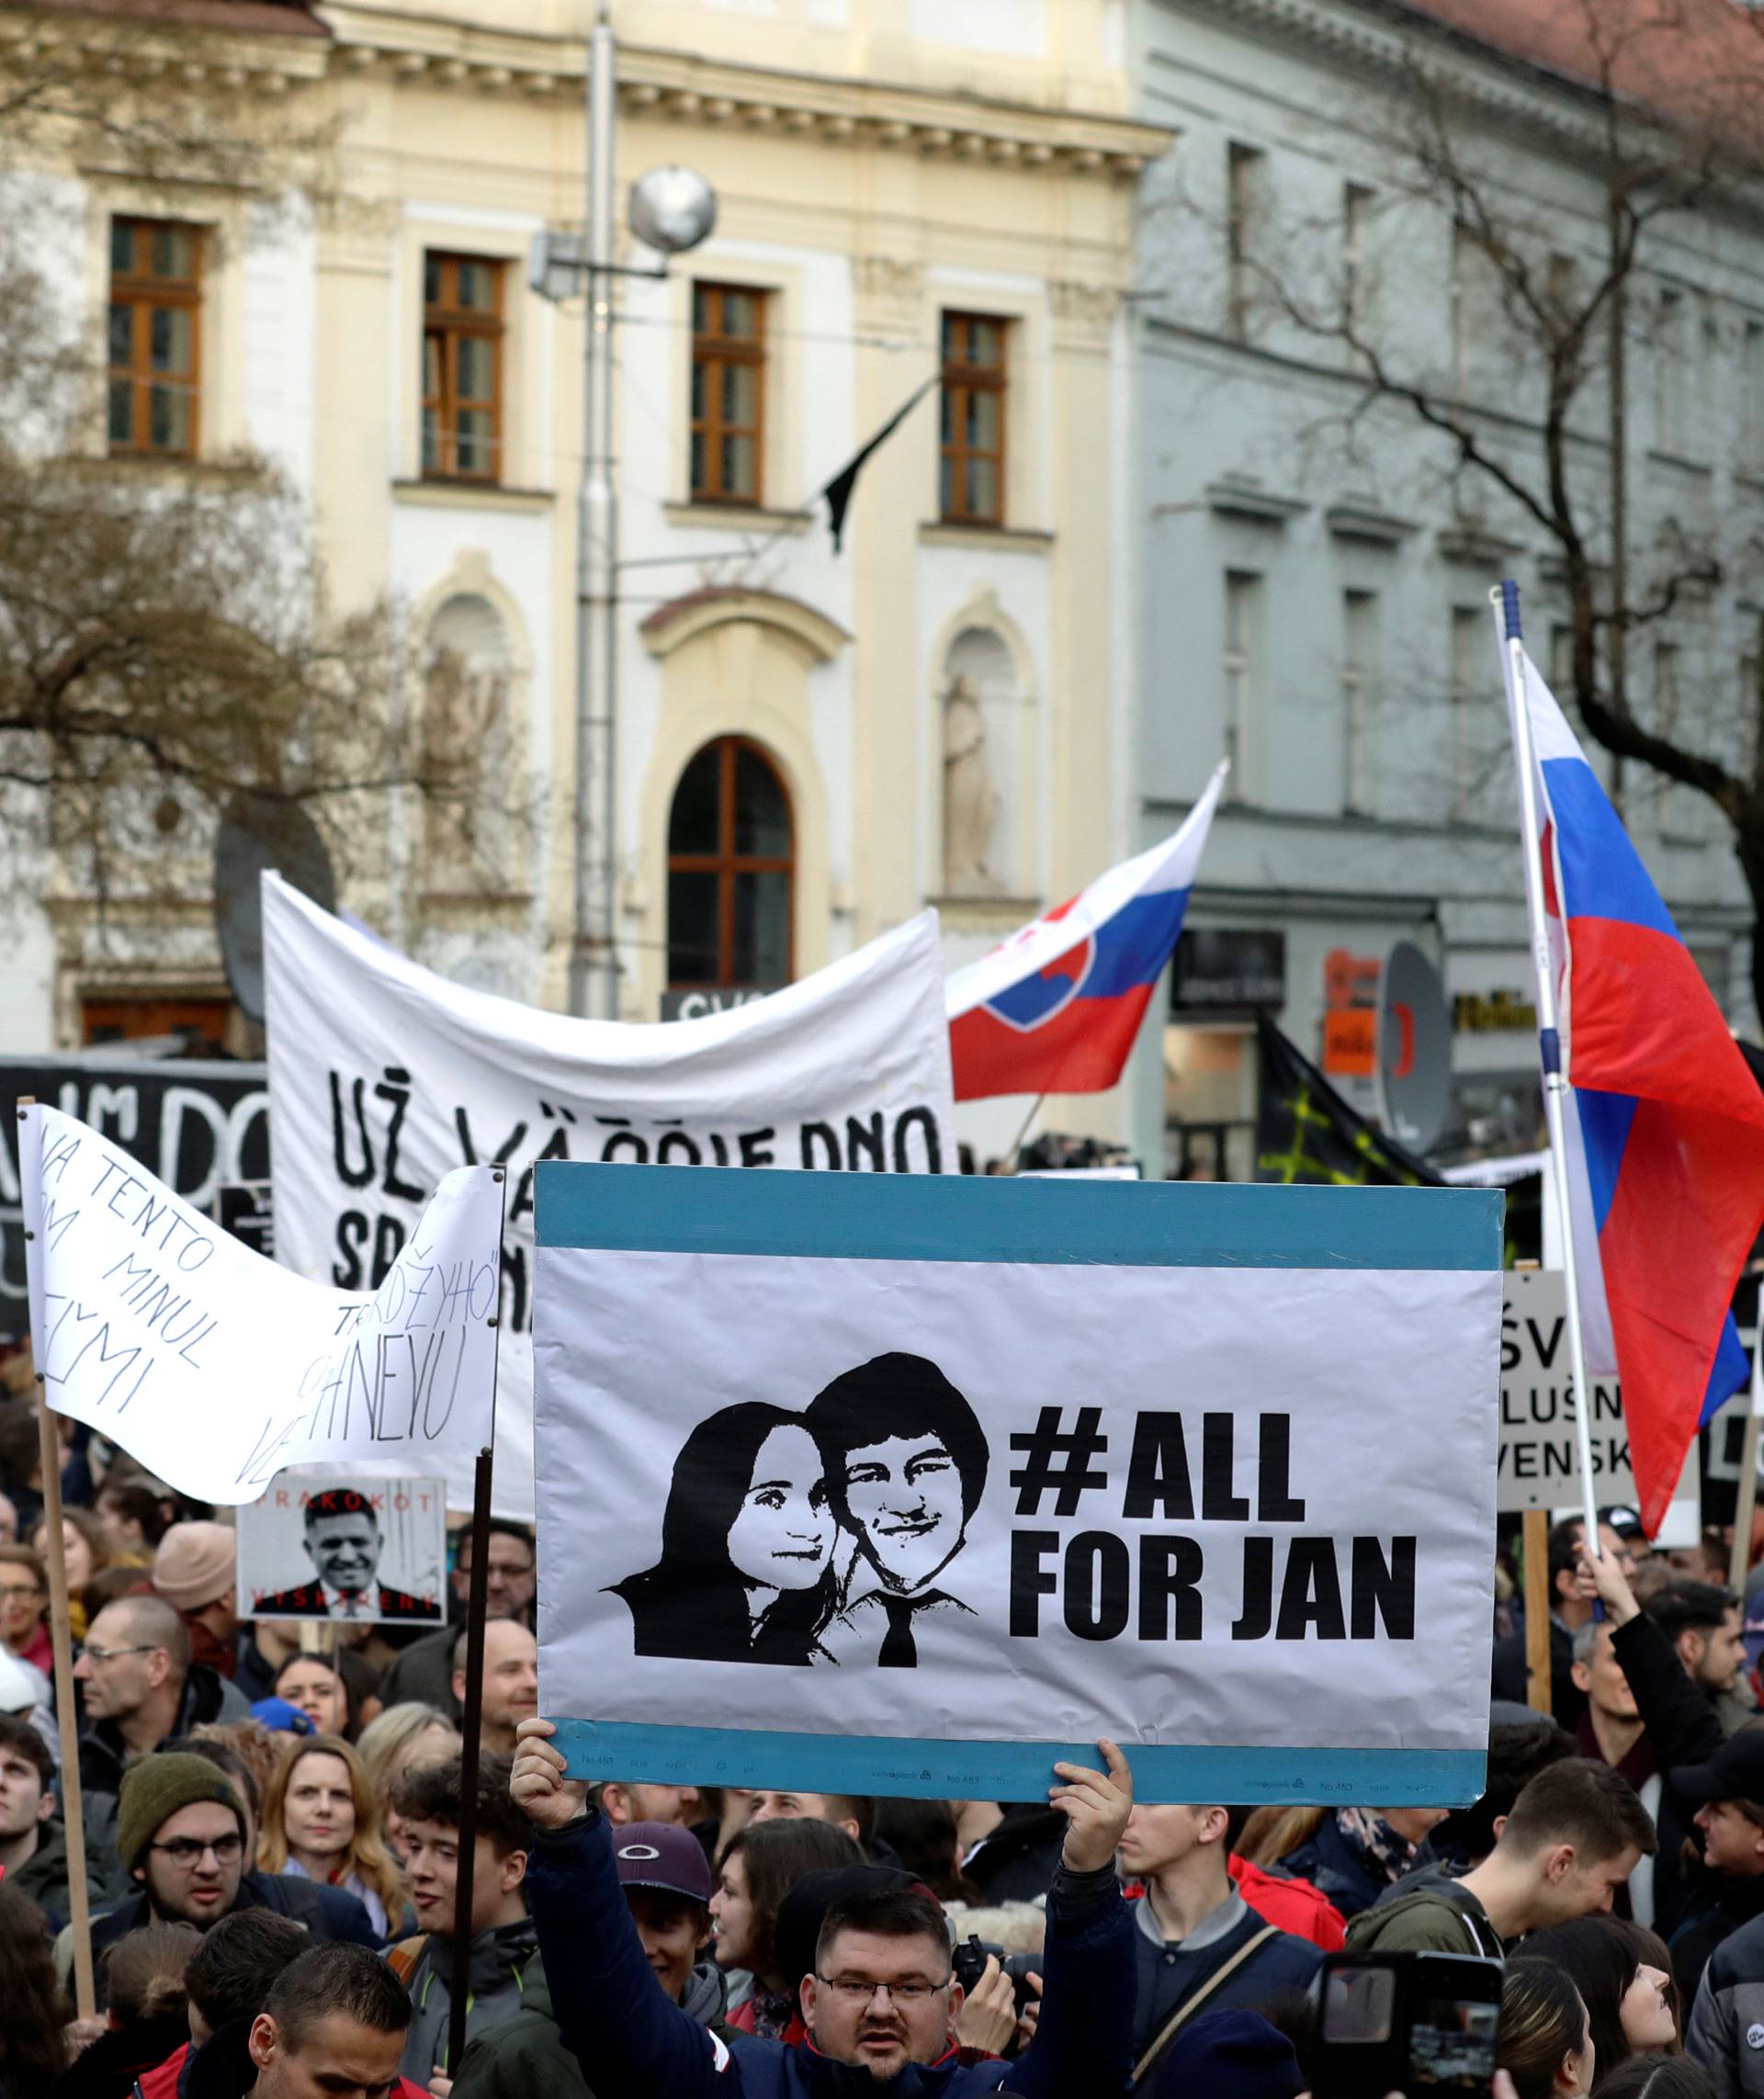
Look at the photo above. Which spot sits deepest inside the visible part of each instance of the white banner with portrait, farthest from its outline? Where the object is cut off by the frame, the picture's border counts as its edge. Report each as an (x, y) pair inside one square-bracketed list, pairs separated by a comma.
[(877, 1488)]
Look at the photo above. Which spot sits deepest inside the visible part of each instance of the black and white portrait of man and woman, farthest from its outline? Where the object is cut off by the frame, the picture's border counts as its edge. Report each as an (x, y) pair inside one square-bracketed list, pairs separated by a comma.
[(827, 1537)]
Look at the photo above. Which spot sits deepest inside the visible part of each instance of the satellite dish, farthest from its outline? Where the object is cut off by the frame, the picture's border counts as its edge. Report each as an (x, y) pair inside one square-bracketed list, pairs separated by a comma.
[(260, 832), (1414, 1046)]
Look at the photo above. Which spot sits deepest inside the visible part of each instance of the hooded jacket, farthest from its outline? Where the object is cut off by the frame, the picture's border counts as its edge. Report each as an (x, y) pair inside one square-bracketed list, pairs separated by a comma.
[(505, 1965), (43, 1876), (326, 1912), (207, 1697), (632, 2043), (1725, 2033), (522, 2057), (1428, 1912)]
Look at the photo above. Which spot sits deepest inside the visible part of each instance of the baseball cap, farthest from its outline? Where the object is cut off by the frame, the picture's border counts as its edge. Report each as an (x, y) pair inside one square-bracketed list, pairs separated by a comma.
[(281, 1717), (1625, 1521), (1736, 1772), (664, 1856)]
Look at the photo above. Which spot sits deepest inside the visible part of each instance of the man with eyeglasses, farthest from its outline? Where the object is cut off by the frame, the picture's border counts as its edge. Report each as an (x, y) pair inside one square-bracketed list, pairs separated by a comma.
[(181, 1835), (882, 1995), (141, 1688)]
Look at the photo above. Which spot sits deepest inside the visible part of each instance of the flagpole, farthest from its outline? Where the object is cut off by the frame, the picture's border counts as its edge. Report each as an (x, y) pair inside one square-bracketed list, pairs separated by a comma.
[(1505, 601), (1746, 1493)]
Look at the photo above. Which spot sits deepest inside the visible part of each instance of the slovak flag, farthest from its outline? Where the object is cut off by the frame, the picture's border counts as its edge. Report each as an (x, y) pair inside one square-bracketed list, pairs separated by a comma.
[(1664, 1123), (1055, 1008)]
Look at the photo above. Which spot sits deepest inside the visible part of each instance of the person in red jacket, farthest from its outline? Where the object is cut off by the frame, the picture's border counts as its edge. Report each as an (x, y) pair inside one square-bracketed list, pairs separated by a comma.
[(334, 2022)]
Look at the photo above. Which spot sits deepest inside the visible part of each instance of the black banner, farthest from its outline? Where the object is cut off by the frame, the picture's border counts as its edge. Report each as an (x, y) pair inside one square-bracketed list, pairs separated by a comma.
[(195, 1125), (1307, 1134)]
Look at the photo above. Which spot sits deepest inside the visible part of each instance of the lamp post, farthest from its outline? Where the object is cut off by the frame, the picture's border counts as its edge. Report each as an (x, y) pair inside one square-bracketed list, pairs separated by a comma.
[(672, 209)]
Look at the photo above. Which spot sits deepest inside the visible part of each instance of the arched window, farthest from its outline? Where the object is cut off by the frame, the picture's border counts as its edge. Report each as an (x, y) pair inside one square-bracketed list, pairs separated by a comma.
[(468, 674), (731, 865)]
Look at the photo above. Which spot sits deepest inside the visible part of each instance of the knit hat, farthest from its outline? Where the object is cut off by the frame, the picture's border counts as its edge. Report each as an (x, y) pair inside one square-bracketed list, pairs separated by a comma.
[(195, 1564), (154, 1787)]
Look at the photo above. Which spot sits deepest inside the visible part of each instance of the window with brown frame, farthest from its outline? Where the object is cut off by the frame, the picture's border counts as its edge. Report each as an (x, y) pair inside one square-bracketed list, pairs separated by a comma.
[(154, 337), (971, 472), (728, 393), (462, 368), (732, 871)]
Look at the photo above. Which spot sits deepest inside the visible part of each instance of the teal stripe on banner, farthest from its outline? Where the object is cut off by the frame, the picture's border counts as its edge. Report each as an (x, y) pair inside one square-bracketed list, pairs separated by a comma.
[(975, 1217), (599, 1750)]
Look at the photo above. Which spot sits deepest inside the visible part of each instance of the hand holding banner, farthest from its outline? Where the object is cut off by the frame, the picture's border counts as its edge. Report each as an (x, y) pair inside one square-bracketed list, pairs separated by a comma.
[(215, 1367)]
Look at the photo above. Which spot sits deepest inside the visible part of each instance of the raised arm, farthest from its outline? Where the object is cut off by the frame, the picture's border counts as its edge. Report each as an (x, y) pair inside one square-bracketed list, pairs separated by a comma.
[(630, 2039), (1084, 2036)]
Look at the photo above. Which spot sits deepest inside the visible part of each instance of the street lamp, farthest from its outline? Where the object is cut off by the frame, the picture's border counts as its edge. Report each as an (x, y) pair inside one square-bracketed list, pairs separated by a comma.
[(672, 209)]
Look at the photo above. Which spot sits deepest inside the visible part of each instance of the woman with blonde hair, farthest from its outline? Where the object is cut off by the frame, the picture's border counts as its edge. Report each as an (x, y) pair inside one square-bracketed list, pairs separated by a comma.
[(319, 1821), (86, 1551), (403, 1735)]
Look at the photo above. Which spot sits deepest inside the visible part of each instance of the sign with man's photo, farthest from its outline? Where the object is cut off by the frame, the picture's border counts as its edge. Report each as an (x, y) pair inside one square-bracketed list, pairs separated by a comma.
[(915, 1487), (333, 1544)]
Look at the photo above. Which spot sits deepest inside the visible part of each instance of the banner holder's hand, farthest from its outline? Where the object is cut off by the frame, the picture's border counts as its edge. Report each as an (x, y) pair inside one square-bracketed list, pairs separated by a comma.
[(1604, 1584), (537, 1784), (1096, 1805)]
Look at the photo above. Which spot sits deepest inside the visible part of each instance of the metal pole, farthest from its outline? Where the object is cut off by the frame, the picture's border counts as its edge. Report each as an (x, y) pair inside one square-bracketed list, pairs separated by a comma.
[(1555, 1085), (594, 963)]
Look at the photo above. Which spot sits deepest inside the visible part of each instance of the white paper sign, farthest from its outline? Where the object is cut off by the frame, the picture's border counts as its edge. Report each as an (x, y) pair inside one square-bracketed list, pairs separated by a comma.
[(344, 1546), (383, 1075), (1208, 1470), (215, 1367), (1540, 1459)]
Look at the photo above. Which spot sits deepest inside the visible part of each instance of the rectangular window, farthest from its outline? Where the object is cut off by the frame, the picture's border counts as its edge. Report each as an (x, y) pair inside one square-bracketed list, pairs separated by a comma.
[(1246, 175), (154, 337), (1474, 666), (970, 485), (1356, 261), (1751, 379), (1670, 372), (1358, 676), (462, 368), (1465, 258), (728, 393), (1242, 619)]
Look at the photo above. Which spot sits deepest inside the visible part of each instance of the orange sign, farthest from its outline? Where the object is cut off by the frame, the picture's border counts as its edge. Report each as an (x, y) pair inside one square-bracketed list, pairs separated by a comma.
[(1350, 1041)]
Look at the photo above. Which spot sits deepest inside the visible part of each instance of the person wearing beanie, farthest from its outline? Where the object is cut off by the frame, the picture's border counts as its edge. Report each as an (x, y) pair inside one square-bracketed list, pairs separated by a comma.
[(193, 1570), (141, 1687), (181, 1833)]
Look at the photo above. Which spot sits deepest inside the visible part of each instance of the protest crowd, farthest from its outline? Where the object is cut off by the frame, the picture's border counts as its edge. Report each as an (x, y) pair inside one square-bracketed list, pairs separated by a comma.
[(272, 1813)]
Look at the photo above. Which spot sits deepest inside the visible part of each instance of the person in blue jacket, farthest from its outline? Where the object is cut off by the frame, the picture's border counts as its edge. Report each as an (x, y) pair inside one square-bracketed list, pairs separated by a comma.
[(881, 2003)]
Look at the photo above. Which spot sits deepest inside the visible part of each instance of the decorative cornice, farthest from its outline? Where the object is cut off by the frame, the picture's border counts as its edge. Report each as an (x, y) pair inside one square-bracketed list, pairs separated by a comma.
[(942, 124), (1470, 546), (671, 625), (1252, 505), (1367, 524)]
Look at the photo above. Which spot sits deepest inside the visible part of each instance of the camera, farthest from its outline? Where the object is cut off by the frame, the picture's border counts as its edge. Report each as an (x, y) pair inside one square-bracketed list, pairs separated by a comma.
[(969, 1961), (1407, 2021)]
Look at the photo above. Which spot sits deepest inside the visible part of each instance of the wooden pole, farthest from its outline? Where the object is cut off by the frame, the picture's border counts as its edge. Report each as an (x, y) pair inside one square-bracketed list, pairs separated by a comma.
[(459, 1984), (61, 1631), (1537, 1610)]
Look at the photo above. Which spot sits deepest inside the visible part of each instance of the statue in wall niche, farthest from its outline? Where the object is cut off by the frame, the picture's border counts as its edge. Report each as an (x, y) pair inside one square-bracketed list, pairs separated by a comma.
[(970, 804)]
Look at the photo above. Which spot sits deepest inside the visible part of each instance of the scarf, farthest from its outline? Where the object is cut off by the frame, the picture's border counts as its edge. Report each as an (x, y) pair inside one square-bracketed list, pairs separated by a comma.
[(1371, 1837)]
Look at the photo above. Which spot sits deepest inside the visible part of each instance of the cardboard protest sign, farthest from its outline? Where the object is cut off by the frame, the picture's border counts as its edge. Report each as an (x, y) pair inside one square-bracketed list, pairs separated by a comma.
[(194, 1124), (344, 1546), (1539, 1462), (383, 1075), (888, 1486), (217, 1367)]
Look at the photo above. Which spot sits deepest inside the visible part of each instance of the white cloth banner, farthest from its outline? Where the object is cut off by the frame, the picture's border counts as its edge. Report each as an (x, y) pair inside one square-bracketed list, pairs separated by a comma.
[(928, 1474), (215, 1367), (383, 1075)]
